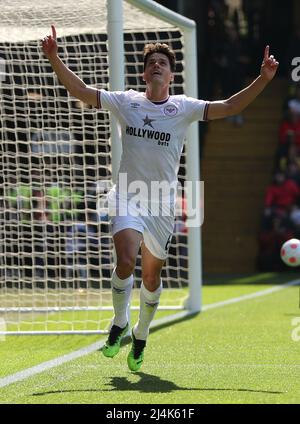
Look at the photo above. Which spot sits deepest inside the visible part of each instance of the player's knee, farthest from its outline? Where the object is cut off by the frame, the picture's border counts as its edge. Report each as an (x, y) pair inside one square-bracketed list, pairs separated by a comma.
[(151, 281), (125, 266)]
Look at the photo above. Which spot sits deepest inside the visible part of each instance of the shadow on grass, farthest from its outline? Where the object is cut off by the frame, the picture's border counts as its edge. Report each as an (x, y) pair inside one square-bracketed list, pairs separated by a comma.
[(127, 339), (151, 384)]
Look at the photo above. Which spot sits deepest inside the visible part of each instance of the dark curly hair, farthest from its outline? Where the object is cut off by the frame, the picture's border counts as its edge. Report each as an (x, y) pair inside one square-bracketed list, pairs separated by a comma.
[(163, 48)]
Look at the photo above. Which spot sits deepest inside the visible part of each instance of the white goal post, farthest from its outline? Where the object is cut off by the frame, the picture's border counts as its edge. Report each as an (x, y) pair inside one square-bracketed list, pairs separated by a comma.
[(56, 252)]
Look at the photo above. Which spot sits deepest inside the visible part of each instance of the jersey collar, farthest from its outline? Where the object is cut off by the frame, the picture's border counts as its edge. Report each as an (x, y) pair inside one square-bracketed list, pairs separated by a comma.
[(162, 102), (157, 103)]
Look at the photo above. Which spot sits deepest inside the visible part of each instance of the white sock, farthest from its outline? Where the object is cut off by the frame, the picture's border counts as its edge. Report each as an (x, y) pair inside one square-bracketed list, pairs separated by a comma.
[(121, 290), (148, 305)]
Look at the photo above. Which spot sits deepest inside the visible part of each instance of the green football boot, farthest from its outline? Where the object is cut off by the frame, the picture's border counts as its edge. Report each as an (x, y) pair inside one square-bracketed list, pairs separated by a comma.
[(112, 345), (135, 357)]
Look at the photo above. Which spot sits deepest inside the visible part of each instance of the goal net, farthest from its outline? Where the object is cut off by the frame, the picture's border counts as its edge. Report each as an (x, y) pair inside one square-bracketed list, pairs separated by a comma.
[(56, 251)]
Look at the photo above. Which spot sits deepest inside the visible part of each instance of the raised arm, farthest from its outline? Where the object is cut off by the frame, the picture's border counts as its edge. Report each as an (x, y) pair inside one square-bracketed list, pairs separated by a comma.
[(239, 101), (75, 86)]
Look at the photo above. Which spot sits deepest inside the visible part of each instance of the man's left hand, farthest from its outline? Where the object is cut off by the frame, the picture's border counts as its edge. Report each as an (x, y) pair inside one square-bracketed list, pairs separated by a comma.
[(269, 66)]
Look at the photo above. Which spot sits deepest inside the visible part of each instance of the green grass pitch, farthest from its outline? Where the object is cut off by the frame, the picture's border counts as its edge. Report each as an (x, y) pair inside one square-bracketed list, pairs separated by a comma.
[(239, 353)]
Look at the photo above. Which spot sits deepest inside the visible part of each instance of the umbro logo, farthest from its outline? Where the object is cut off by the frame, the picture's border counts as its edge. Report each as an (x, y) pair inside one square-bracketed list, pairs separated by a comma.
[(134, 105)]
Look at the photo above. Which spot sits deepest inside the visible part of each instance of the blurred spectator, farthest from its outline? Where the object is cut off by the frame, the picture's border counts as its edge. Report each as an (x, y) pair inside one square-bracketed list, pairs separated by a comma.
[(280, 195), (281, 218), (295, 220), (289, 130), (288, 155), (294, 103), (293, 171)]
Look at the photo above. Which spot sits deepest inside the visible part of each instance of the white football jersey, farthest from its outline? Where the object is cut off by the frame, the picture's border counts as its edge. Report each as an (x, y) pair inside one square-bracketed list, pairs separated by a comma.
[(152, 133)]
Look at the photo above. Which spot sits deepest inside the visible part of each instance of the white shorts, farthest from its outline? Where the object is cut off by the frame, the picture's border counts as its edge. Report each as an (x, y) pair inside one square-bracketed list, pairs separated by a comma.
[(156, 230)]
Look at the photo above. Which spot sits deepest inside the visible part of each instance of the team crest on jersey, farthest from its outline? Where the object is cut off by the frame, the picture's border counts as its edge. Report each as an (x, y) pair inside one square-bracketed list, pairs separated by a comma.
[(170, 110)]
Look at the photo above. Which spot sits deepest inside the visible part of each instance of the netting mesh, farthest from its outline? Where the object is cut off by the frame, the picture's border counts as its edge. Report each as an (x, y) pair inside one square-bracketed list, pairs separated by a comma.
[(56, 252)]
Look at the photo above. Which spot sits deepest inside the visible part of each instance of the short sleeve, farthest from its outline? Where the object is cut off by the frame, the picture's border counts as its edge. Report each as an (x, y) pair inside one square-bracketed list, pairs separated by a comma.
[(196, 110), (111, 100)]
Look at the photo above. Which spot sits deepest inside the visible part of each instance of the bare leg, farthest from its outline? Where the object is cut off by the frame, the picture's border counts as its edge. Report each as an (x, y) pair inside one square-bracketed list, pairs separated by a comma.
[(127, 244)]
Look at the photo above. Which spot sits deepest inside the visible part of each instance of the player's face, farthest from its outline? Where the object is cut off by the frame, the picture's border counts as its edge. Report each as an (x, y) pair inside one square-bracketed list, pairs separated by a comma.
[(158, 70)]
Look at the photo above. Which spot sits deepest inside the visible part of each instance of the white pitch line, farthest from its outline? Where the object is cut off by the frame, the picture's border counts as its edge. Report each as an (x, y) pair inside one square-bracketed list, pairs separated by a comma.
[(29, 372), (251, 295), (45, 366)]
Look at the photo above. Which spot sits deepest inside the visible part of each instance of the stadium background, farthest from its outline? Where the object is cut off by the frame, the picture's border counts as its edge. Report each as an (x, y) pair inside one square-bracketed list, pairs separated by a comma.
[(242, 347), (237, 162)]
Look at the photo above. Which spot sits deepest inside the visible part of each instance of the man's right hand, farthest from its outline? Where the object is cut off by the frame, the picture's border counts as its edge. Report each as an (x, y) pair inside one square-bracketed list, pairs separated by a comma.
[(49, 44), (73, 84)]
